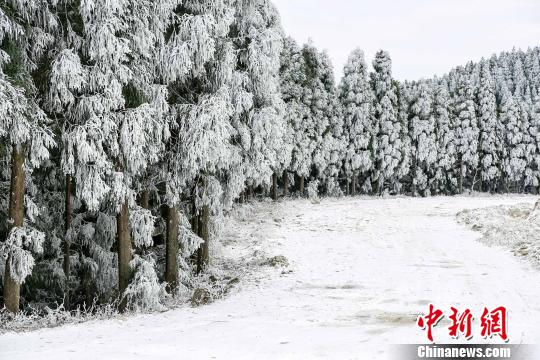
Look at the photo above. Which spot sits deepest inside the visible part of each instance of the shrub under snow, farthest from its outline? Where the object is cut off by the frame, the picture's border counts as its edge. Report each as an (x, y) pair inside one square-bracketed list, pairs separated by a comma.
[(145, 293), (516, 227)]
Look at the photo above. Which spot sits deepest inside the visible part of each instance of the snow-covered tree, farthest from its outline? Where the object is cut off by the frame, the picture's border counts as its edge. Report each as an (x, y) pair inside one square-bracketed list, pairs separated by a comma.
[(514, 162), (532, 66), (445, 181), (293, 87), (490, 130), (324, 122), (356, 98), (387, 125), (422, 131), (535, 134), (466, 131), (259, 110), (201, 94), (26, 33), (404, 168)]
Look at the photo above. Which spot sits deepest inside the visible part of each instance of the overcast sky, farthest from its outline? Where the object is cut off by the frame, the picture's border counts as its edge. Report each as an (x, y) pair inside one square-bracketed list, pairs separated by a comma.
[(424, 37)]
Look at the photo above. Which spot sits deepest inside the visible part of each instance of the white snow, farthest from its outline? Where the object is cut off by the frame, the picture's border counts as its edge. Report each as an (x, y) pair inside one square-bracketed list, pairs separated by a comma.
[(361, 270)]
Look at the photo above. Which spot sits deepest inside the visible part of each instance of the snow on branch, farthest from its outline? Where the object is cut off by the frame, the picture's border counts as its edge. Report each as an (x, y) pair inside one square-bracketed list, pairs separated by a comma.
[(18, 249), (142, 227), (144, 292)]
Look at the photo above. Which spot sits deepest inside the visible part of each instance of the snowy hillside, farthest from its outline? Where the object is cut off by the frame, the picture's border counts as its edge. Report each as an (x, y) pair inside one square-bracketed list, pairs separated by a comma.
[(360, 271)]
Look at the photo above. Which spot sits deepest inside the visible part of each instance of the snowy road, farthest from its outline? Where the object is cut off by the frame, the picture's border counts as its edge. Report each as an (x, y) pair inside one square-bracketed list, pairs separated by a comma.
[(362, 271)]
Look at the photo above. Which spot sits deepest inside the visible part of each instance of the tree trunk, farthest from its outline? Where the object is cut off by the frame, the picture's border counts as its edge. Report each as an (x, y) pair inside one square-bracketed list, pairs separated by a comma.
[(241, 198), (68, 213), (204, 253), (302, 186), (473, 185), (144, 199), (274, 187), (461, 176), (12, 289), (481, 183), (285, 183), (124, 251), (414, 172), (195, 228), (194, 219), (379, 186), (171, 264), (355, 176)]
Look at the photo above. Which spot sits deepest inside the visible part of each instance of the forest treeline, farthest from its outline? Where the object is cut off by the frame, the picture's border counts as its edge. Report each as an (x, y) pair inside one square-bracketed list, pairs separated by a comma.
[(130, 127)]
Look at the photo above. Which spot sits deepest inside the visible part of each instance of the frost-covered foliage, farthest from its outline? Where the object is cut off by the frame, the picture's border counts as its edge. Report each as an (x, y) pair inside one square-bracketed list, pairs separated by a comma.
[(514, 162), (293, 89), (319, 146), (258, 118), (490, 129), (387, 125), (422, 129), (142, 227), (466, 128), (356, 98), (36, 318), (27, 30), (445, 181), (145, 292), (18, 249), (114, 106)]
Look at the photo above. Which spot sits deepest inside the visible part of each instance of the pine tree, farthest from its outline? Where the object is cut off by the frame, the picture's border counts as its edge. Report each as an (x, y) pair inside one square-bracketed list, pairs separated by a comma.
[(323, 123), (422, 130), (356, 98), (445, 182), (387, 126), (532, 65), (466, 132), (260, 116), (329, 157), (404, 168), (523, 94), (203, 110), (535, 134), (514, 150), (293, 81), (26, 33), (490, 130)]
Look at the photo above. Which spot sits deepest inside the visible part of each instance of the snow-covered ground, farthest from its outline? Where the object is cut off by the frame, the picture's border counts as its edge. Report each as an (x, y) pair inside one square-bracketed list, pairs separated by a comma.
[(360, 272)]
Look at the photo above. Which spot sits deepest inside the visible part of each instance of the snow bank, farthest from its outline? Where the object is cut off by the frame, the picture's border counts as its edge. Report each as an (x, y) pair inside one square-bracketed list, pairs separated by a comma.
[(514, 226)]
